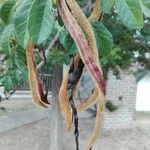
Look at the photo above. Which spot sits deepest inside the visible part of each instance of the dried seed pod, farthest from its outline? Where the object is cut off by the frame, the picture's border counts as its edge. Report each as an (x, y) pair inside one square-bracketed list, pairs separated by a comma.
[(89, 102), (96, 13), (63, 96), (63, 92), (99, 122), (87, 28), (64, 103), (85, 24), (41, 91), (86, 56), (35, 83)]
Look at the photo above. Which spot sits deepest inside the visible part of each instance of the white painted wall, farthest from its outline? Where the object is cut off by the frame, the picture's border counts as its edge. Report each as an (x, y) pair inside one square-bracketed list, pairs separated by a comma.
[(143, 94)]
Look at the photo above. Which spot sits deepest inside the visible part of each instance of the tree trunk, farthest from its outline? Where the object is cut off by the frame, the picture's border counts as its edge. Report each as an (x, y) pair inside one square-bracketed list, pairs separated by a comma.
[(56, 118)]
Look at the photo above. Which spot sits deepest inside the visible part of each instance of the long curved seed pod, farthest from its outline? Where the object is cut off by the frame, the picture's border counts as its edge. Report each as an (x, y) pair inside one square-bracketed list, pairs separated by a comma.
[(41, 91), (63, 91), (34, 82), (85, 54), (99, 118), (96, 13), (89, 102), (64, 103), (86, 26), (63, 96)]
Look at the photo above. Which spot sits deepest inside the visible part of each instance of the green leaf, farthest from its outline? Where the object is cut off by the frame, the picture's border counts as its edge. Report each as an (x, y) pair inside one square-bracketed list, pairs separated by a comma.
[(2, 78), (1, 28), (107, 5), (15, 76), (21, 18), (19, 63), (4, 41), (54, 2), (8, 84), (73, 49), (5, 10), (67, 42), (146, 7), (24, 73), (11, 79), (130, 13), (146, 3), (41, 20), (103, 37)]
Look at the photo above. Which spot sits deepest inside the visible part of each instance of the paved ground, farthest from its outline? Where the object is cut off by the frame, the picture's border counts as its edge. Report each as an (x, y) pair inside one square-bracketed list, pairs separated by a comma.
[(15, 120), (35, 136), (15, 105)]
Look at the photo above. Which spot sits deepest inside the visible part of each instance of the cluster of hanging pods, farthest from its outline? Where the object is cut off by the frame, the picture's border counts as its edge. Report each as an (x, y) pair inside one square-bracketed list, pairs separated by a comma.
[(80, 29)]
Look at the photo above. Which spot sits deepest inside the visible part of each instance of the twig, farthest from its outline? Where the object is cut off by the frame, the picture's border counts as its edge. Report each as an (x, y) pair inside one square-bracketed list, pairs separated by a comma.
[(89, 6), (50, 47), (12, 92)]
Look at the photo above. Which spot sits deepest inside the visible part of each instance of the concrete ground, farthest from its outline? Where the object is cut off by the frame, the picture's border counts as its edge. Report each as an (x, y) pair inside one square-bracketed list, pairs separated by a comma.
[(35, 136)]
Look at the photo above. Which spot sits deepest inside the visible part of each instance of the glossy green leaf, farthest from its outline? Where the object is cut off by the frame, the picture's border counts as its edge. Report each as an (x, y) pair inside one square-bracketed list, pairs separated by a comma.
[(21, 22), (107, 5), (41, 20), (67, 42), (11, 79), (5, 10), (146, 3), (4, 41), (16, 76), (103, 37), (130, 13), (8, 83), (1, 29), (146, 7), (2, 78), (24, 73)]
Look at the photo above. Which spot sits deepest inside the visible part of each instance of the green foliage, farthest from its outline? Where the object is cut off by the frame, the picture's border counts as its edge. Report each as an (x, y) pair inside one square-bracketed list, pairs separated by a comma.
[(33, 19), (56, 56), (20, 20), (130, 13), (107, 5), (67, 42), (39, 21), (5, 38), (104, 38), (111, 106), (5, 10), (146, 7)]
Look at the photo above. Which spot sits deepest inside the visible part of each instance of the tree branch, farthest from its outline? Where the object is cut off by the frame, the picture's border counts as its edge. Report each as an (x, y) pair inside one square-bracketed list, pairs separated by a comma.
[(50, 47)]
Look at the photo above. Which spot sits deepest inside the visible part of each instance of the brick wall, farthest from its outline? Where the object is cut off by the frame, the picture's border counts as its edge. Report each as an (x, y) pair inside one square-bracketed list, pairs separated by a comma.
[(121, 92)]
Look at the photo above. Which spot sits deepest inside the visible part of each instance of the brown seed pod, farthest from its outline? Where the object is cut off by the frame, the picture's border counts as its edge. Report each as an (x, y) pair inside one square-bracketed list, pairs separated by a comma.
[(35, 83), (63, 90), (86, 56), (99, 120), (87, 28), (64, 103), (85, 24), (89, 102), (96, 13), (63, 97)]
